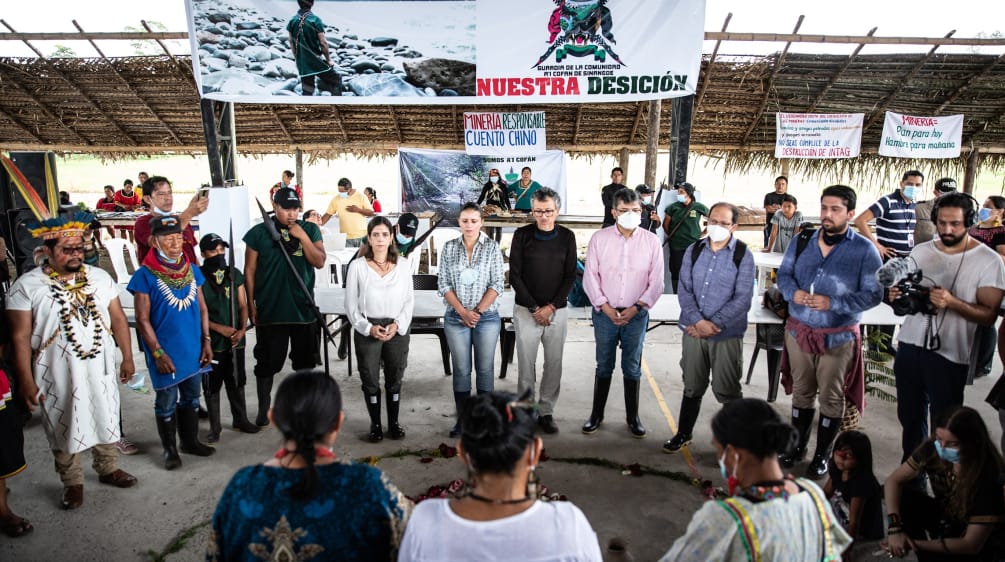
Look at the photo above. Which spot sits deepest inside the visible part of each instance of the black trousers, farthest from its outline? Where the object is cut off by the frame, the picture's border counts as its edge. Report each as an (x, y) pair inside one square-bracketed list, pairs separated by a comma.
[(274, 340), (928, 384), (223, 372), (676, 261), (330, 80)]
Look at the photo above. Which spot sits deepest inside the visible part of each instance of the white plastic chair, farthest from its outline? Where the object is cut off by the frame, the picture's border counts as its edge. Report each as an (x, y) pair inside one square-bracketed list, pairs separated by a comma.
[(439, 237), (115, 247), (334, 241)]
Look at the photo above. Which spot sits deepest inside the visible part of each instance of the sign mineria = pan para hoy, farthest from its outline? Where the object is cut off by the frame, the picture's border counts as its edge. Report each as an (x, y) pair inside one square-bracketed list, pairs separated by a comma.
[(908, 136)]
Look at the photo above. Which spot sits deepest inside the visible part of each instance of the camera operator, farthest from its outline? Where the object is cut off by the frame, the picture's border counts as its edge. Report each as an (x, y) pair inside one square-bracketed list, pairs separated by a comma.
[(933, 352)]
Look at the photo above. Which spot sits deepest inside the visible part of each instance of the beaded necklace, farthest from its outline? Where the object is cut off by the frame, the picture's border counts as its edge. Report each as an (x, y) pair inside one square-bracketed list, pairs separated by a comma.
[(767, 490), (75, 302), (171, 277)]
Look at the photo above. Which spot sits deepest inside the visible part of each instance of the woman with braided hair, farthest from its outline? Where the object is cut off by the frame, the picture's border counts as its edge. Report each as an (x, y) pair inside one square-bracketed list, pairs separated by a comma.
[(305, 500)]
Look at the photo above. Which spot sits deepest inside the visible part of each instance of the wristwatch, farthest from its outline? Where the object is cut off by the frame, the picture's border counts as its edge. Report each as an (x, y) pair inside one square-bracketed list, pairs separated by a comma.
[(639, 307)]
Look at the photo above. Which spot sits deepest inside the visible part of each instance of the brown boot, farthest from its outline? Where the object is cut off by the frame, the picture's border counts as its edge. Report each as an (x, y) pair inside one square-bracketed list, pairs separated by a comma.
[(73, 496)]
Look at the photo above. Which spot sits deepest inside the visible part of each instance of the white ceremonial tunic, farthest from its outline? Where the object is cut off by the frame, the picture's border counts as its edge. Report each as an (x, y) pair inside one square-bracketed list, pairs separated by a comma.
[(81, 406)]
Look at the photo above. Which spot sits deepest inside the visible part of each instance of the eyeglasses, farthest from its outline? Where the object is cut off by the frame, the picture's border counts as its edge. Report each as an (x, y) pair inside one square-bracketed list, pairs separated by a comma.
[(719, 223), (70, 250), (543, 212)]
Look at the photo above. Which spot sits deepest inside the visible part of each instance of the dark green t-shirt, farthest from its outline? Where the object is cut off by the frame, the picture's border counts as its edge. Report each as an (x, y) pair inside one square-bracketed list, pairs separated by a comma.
[(523, 196), (278, 299), (689, 232), (304, 28), (216, 291)]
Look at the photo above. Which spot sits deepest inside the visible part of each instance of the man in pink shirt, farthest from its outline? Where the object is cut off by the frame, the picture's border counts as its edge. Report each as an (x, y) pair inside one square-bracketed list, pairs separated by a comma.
[(623, 279)]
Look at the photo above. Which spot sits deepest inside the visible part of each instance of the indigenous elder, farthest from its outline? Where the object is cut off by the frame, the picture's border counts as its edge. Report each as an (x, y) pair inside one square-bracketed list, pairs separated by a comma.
[(542, 263), (352, 209), (682, 225), (772, 204), (310, 50), (173, 320), (228, 321), (964, 520), (607, 193), (304, 500), (623, 279), (280, 311), (523, 189), (934, 346), (65, 321), (470, 280), (499, 515), (716, 288), (379, 300), (495, 193), (827, 286), (768, 516), (161, 200), (924, 228)]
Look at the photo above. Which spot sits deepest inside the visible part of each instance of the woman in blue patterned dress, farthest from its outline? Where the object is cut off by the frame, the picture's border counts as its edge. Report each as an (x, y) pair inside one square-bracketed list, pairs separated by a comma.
[(305, 503)]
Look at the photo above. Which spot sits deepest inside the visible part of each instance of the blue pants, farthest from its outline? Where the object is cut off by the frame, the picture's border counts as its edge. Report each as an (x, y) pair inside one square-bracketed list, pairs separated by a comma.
[(463, 340), (632, 337), (168, 398), (928, 384)]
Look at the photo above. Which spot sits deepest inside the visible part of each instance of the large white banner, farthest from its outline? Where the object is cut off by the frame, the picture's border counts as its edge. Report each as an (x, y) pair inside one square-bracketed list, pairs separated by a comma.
[(446, 51), (818, 135), (908, 136), (504, 134)]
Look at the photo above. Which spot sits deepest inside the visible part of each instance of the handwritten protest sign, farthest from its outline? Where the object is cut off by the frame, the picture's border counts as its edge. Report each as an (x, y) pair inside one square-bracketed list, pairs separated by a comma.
[(818, 135), (908, 136), (504, 134)]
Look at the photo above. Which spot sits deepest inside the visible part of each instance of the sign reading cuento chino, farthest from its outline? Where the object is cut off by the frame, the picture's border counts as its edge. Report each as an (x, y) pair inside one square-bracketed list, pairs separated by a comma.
[(908, 136), (445, 51), (504, 134), (818, 135)]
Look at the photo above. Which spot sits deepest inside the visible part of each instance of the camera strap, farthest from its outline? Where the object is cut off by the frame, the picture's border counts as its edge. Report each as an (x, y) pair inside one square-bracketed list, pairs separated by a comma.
[(933, 342)]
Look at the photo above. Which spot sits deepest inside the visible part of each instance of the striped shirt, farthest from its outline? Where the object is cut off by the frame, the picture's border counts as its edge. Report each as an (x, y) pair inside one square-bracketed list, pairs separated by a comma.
[(894, 222)]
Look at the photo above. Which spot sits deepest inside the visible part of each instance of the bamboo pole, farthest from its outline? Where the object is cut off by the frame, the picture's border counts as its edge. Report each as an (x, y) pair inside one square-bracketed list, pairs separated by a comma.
[(652, 142)]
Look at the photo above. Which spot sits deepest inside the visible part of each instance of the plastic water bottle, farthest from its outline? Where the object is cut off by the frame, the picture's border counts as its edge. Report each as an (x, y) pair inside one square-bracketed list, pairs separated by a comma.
[(137, 382)]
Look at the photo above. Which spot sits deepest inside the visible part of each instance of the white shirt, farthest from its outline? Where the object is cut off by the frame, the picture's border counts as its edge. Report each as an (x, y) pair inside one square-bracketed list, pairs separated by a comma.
[(368, 295), (547, 531)]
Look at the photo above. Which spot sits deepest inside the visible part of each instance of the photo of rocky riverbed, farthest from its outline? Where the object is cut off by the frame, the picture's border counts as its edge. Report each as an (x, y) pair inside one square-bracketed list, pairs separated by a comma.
[(379, 48)]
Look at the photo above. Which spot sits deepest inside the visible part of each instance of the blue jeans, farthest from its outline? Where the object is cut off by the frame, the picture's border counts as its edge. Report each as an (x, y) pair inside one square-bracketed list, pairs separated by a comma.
[(167, 398), (461, 340), (632, 337)]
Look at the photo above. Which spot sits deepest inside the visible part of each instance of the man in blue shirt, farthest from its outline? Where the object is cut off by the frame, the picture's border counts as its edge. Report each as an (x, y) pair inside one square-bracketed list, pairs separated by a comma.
[(828, 286), (894, 214), (715, 295)]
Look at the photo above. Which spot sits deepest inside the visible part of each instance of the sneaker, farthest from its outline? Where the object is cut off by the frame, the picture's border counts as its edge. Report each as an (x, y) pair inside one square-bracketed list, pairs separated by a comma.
[(126, 447), (678, 442), (547, 424)]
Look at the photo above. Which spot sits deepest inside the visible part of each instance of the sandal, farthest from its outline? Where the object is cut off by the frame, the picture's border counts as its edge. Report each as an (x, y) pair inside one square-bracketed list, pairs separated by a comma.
[(19, 528)]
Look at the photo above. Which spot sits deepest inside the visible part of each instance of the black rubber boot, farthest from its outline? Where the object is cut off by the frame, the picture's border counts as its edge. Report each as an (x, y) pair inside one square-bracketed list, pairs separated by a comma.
[(601, 388), (802, 420), (460, 400), (827, 430), (167, 428), (239, 411), (632, 408), (394, 431), (213, 406), (689, 409), (373, 408), (264, 387), (188, 433)]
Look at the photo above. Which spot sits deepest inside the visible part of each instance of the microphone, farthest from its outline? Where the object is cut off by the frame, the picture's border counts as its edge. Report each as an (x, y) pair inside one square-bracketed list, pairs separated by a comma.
[(894, 271)]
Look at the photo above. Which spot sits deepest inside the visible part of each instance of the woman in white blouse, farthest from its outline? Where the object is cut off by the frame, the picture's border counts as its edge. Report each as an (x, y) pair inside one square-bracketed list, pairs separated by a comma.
[(379, 299)]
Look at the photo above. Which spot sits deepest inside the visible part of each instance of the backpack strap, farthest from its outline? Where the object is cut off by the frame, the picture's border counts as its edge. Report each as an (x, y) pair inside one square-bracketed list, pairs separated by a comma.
[(738, 252), (826, 521), (748, 533), (803, 240)]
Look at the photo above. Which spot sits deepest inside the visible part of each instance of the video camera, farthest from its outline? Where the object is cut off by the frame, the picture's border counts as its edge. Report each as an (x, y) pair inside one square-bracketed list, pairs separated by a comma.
[(914, 297)]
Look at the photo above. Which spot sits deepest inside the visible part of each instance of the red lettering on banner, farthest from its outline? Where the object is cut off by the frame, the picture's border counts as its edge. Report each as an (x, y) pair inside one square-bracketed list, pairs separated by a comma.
[(919, 121), (516, 87)]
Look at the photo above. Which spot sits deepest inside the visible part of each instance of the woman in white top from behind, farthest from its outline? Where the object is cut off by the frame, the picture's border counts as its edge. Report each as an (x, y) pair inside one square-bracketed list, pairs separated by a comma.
[(379, 300), (499, 517)]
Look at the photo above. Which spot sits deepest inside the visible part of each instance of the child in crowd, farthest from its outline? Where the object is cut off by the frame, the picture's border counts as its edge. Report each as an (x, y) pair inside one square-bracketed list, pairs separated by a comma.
[(785, 225), (852, 488)]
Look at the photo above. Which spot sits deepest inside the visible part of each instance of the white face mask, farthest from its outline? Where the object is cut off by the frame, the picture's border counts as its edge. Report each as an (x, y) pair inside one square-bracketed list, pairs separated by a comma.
[(494, 179), (160, 212), (718, 233), (630, 220), (647, 200)]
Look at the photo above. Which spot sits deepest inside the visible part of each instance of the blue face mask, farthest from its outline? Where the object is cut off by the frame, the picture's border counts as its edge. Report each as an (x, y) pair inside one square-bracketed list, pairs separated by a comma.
[(164, 257), (160, 212), (402, 239), (343, 194), (681, 198), (910, 192), (722, 466), (984, 214), (949, 454)]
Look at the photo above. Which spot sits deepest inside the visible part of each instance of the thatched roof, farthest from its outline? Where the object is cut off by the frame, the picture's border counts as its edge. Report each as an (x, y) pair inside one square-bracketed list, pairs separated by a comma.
[(122, 106)]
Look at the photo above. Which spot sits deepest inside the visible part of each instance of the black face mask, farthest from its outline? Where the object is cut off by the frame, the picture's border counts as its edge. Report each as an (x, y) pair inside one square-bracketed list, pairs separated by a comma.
[(210, 267), (832, 239)]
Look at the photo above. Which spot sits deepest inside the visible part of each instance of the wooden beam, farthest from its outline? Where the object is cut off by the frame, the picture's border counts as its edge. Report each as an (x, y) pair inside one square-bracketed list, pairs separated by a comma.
[(397, 126), (341, 125), (768, 83), (76, 88), (623, 162), (184, 70), (129, 86), (974, 78), (17, 122), (282, 126), (639, 106), (880, 111), (703, 86), (453, 122), (48, 113), (837, 75), (973, 162), (299, 167), (850, 39), (652, 142), (99, 36), (995, 120), (579, 119)]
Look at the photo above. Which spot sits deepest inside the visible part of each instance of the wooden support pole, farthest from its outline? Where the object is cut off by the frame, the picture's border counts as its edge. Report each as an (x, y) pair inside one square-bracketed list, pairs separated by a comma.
[(652, 142), (300, 168), (623, 161), (973, 161)]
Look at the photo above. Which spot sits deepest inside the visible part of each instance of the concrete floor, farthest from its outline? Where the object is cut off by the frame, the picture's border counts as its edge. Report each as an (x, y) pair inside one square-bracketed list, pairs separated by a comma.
[(649, 511)]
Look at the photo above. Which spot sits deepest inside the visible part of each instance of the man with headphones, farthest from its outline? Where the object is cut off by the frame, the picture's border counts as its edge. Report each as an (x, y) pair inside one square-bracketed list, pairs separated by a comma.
[(967, 280)]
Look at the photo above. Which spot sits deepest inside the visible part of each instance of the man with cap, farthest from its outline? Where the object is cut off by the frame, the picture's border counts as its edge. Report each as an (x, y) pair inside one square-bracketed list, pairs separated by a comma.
[(924, 228), (172, 319), (650, 218), (773, 203), (161, 200), (281, 313), (607, 194), (404, 233), (65, 322), (228, 319), (683, 227), (352, 208)]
